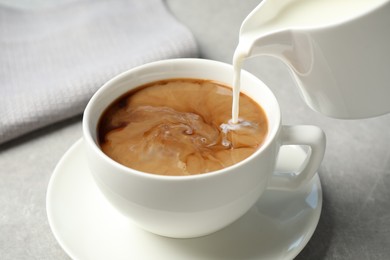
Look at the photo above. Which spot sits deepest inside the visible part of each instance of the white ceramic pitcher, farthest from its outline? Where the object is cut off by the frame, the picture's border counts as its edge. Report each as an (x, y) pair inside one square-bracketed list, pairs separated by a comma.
[(338, 51)]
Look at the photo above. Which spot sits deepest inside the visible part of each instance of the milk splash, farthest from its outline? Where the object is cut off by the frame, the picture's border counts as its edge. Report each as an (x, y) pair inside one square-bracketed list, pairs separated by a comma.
[(230, 126)]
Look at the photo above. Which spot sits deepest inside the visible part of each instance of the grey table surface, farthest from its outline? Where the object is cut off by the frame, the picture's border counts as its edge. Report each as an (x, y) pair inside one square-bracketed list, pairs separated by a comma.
[(355, 173)]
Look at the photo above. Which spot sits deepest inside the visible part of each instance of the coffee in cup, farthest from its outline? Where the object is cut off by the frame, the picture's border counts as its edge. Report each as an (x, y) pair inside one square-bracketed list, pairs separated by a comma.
[(180, 127)]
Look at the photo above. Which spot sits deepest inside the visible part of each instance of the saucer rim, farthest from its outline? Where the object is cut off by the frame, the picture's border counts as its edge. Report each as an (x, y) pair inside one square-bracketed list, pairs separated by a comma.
[(49, 210), (77, 145)]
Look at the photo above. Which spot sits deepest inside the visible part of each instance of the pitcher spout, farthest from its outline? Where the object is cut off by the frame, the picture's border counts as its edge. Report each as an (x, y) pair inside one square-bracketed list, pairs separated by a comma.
[(294, 49)]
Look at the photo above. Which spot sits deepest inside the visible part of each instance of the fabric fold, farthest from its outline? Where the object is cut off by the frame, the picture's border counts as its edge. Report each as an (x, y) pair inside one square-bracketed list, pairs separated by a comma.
[(53, 59)]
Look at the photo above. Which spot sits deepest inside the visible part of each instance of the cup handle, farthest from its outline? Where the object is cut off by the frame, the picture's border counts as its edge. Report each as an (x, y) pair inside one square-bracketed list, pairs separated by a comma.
[(314, 138)]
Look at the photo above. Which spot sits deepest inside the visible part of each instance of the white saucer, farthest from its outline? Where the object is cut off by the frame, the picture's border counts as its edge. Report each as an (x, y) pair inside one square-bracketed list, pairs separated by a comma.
[(87, 227)]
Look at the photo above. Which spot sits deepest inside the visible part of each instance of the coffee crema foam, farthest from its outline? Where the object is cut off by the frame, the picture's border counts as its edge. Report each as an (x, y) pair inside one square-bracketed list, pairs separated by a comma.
[(180, 127)]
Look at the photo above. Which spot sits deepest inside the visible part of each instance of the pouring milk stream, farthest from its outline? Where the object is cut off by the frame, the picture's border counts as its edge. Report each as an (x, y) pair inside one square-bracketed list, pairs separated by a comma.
[(337, 50)]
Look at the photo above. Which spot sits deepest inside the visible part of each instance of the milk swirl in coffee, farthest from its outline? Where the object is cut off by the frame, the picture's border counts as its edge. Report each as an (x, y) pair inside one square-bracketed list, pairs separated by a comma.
[(181, 127)]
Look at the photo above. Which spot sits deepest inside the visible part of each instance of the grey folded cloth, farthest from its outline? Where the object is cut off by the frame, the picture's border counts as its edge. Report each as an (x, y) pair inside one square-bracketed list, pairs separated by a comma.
[(53, 59)]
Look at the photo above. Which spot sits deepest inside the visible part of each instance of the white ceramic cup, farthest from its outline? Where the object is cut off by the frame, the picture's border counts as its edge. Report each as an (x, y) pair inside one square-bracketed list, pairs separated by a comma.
[(196, 205)]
